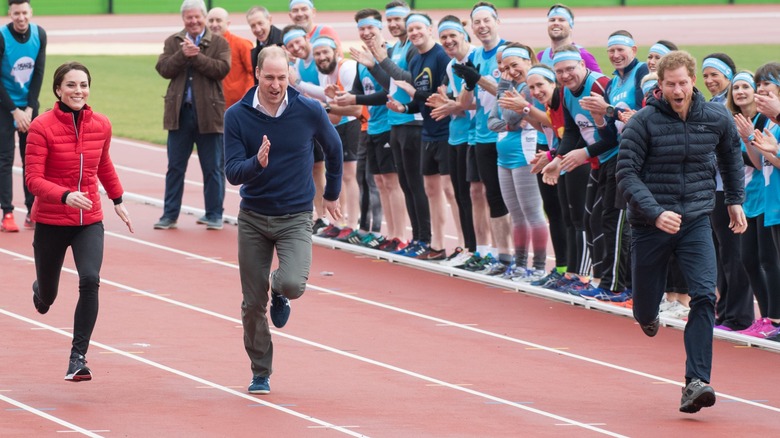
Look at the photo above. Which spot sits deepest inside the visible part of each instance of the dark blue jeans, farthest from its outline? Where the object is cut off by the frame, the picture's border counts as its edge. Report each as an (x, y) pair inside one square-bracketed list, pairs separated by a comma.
[(651, 249), (212, 163), (7, 151)]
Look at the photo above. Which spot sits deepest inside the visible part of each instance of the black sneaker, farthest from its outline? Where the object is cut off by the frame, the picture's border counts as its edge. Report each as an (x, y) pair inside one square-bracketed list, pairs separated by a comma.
[(652, 328), (695, 396), (319, 224), (40, 306), (78, 370), (280, 310)]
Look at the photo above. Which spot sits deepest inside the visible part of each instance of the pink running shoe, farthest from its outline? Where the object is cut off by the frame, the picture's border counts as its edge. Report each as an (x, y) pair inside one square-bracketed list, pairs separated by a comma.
[(759, 329)]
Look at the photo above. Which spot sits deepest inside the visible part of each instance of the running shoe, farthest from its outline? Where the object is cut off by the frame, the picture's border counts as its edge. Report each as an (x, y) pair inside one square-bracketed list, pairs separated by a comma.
[(696, 395), (373, 241), (319, 224), (356, 237), (402, 250), (548, 280), (494, 268), (259, 385), (724, 328), (478, 264), (610, 296), (78, 370), (677, 311), (473, 263), (165, 224), (513, 271), (457, 258), (416, 250), (8, 224), (665, 305), (760, 329), (652, 328), (432, 255), (330, 231), (392, 245), (280, 309), (29, 224), (593, 293), (344, 234), (562, 283), (577, 288), (532, 275)]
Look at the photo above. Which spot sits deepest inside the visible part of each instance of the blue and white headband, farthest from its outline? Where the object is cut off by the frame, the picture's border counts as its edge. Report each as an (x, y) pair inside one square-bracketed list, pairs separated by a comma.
[(397, 11), (500, 49), (323, 41), (516, 51), (451, 25), (305, 2), (417, 18), (620, 40), (484, 8), (562, 12), (649, 85), (541, 71), (369, 21), (744, 76), (718, 65), (566, 56), (659, 49), (291, 35)]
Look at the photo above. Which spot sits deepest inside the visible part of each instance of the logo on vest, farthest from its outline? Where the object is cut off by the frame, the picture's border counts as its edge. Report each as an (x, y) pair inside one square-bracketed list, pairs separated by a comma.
[(22, 70)]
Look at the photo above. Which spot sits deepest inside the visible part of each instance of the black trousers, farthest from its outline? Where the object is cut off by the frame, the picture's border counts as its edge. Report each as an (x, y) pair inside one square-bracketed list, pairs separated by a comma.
[(50, 242)]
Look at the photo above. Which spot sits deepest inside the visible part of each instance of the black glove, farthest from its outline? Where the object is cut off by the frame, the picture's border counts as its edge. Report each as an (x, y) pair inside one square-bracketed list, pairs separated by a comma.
[(468, 72)]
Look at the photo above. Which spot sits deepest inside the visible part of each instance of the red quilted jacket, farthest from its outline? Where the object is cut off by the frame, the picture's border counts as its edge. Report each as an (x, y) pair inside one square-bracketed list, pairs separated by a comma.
[(58, 159)]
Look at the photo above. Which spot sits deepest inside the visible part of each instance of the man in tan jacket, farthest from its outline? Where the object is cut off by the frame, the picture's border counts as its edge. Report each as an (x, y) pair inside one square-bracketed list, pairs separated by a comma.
[(195, 60)]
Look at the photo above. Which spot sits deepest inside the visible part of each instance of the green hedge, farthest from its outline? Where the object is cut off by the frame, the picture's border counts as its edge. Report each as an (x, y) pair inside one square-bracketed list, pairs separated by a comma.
[(88, 7)]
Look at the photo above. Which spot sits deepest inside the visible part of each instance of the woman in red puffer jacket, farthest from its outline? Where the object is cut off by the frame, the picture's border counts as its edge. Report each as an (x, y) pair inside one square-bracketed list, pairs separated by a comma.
[(67, 154)]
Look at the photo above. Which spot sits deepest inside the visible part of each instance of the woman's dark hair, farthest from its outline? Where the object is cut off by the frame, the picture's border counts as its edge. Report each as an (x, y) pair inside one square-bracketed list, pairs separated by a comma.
[(725, 58), (59, 74), (668, 44)]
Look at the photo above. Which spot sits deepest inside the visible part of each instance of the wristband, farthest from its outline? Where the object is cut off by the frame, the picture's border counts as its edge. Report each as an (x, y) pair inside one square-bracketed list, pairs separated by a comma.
[(549, 156), (751, 138)]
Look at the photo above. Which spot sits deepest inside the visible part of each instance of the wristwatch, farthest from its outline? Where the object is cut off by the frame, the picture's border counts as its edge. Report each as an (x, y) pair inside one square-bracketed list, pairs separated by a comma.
[(527, 108), (327, 108), (610, 111)]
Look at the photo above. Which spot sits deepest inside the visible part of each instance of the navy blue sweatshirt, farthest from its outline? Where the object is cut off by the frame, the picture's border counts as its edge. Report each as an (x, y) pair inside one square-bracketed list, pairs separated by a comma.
[(285, 186), (429, 70)]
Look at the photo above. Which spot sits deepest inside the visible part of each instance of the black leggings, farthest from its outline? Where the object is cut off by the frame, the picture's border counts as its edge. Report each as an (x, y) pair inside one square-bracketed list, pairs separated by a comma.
[(370, 205), (461, 186), (557, 224), (406, 146), (733, 282), (761, 261), (571, 195), (49, 245)]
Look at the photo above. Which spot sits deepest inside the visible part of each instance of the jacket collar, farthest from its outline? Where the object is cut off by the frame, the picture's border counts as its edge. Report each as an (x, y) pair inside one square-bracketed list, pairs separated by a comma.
[(204, 41), (62, 116)]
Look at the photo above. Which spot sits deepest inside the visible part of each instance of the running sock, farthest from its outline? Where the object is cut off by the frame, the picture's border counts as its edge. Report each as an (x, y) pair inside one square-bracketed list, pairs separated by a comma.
[(561, 269)]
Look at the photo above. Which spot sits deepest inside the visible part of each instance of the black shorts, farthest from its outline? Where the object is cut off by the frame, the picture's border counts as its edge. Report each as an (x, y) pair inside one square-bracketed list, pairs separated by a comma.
[(350, 137), (319, 154), (472, 173), (434, 160), (379, 155)]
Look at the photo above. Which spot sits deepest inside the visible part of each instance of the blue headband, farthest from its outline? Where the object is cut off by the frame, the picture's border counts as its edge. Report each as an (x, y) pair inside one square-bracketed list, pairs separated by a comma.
[(484, 8), (744, 76), (447, 25), (620, 40), (323, 41), (561, 12), (291, 35), (566, 56), (417, 18), (306, 2), (541, 71), (659, 49), (649, 85), (773, 79), (516, 51), (718, 65), (500, 49), (369, 21), (398, 11)]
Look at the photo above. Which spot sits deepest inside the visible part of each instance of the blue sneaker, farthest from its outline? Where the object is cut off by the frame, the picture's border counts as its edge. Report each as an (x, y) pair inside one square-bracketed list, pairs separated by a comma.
[(548, 279), (280, 310), (419, 249), (594, 293), (612, 297), (403, 250), (577, 288), (259, 385)]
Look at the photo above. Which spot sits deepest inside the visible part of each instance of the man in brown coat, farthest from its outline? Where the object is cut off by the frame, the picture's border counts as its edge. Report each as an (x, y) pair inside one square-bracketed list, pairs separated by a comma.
[(195, 60)]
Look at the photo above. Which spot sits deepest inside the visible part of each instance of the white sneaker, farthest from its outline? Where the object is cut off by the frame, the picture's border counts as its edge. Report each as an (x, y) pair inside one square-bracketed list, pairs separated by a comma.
[(677, 311), (530, 275), (456, 259), (665, 305)]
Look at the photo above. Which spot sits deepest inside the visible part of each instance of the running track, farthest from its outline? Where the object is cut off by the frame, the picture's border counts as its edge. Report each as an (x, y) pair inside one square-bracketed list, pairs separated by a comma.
[(375, 349)]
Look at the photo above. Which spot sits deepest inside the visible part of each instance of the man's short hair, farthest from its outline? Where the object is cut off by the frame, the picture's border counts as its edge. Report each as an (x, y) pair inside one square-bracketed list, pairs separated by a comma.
[(396, 3), (194, 4), (675, 60), (290, 27), (567, 48), (562, 6), (255, 9), (17, 2), (368, 12), (488, 4), (270, 52)]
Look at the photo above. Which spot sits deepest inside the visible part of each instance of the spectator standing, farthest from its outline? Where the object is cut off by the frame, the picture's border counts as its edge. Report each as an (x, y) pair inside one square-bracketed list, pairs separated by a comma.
[(241, 75), (195, 61)]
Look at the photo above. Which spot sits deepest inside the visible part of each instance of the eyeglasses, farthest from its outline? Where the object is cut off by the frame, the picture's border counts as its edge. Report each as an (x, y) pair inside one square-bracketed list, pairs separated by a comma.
[(568, 70)]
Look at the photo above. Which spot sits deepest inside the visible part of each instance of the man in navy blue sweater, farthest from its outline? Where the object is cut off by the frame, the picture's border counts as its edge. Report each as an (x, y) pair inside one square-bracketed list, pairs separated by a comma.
[(277, 193)]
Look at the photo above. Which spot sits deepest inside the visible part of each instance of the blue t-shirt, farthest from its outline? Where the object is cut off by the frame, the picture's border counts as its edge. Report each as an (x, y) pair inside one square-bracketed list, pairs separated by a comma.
[(488, 66), (377, 122), (461, 125), (772, 192), (398, 54)]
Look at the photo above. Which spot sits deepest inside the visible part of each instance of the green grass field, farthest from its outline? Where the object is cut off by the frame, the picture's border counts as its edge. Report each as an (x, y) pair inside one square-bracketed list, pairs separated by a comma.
[(130, 92)]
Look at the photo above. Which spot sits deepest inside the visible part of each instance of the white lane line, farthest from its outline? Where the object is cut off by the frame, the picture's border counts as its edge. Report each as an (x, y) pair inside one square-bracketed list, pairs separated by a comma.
[(555, 350), (302, 341), (438, 321), (49, 417), (180, 373)]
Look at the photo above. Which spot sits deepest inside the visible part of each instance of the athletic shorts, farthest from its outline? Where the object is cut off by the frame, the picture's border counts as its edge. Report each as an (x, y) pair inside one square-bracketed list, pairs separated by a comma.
[(319, 154), (434, 160), (379, 155), (472, 173), (350, 137)]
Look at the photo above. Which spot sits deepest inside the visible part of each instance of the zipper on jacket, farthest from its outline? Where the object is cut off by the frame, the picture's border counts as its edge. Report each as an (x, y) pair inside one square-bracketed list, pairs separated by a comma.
[(81, 167), (682, 174)]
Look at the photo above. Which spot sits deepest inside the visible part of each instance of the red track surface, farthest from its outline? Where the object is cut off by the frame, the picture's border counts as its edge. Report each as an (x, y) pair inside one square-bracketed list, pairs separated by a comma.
[(376, 349)]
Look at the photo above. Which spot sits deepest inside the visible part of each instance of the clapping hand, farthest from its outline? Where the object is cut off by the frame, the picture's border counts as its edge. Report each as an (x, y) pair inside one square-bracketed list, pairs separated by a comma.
[(262, 154), (468, 72)]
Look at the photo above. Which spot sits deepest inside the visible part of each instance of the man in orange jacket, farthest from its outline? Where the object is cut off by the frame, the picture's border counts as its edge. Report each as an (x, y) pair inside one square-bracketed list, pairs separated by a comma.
[(240, 79)]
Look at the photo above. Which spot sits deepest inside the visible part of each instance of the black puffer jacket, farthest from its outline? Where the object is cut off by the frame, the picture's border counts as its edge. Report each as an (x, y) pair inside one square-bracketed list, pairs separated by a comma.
[(666, 163)]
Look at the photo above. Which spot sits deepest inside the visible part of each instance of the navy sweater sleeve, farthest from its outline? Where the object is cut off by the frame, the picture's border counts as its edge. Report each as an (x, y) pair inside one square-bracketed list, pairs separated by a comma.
[(330, 141)]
